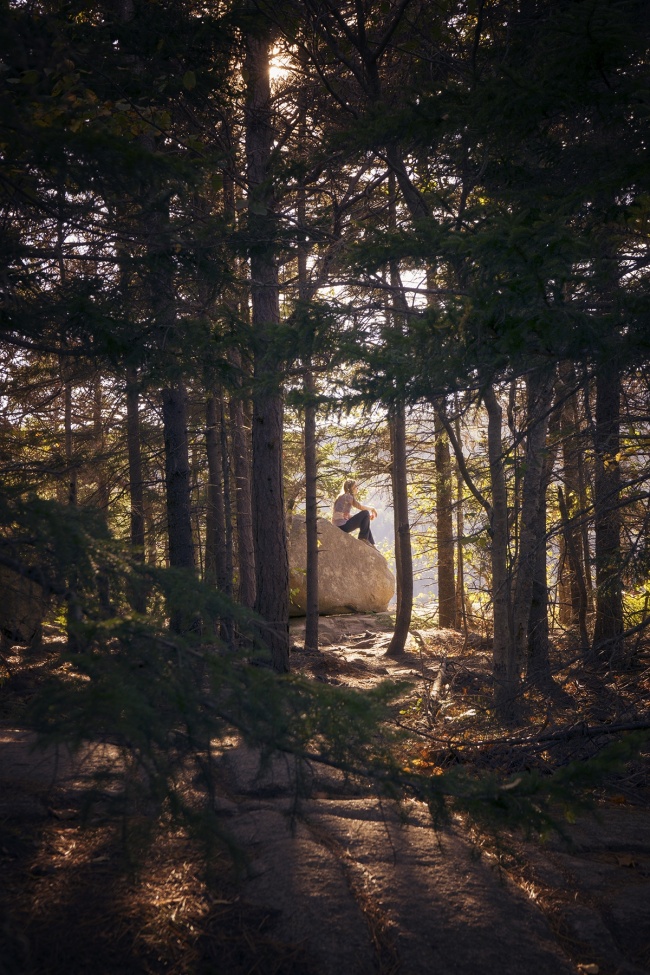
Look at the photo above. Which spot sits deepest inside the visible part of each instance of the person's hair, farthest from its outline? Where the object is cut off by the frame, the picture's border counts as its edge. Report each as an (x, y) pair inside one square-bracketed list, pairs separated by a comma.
[(348, 485)]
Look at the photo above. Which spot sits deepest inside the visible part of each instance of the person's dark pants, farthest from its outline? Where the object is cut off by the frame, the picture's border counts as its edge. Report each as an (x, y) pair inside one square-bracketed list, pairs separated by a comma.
[(362, 522)]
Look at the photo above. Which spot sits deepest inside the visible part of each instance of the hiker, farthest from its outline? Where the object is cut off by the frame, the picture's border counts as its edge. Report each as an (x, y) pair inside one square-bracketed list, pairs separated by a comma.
[(341, 513)]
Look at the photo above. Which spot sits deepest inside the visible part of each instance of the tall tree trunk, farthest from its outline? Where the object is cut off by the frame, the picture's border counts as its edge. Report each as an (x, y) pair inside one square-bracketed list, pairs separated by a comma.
[(538, 669), (504, 667), (177, 485), (177, 477), (152, 539), (98, 437), (573, 570), (137, 593), (270, 537), (517, 470), (539, 390), (240, 440), (565, 589), (215, 518), (403, 552), (572, 551), (444, 529), (608, 642), (227, 499), (310, 442), (196, 466), (583, 503), (134, 450), (103, 589), (138, 596), (271, 554), (461, 601), (70, 462), (162, 297), (311, 481), (230, 216), (397, 317), (218, 537), (74, 614)]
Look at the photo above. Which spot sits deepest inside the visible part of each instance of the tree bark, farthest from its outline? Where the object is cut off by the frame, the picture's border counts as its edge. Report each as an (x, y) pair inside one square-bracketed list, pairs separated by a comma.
[(310, 442), (444, 529), (177, 477), (218, 533), (403, 552), (70, 462), (397, 316), (134, 450), (538, 668), (227, 500), (539, 390), (74, 614), (215, 517), (270, 538), (103, 588), (565, 596), (461, 601), (608, 641), (573, 571), (573, 559), (240, 441), (138, 597), (162, 298), (311, 481), (504, 668), (583, 502)]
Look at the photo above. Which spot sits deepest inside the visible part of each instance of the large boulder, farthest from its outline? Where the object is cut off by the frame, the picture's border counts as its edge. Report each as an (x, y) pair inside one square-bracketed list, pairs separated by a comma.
[(22, 607), (353, 577)]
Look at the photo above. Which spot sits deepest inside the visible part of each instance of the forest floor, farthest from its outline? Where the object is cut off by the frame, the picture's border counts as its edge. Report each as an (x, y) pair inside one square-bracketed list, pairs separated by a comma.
[(342, 883)]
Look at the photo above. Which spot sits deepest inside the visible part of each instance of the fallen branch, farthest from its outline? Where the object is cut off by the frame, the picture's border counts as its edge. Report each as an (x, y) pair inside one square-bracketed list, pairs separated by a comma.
[(433, 693), (581, 730)]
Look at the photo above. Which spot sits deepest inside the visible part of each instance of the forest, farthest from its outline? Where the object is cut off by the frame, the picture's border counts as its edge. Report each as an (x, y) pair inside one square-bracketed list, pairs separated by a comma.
[(251, 248)]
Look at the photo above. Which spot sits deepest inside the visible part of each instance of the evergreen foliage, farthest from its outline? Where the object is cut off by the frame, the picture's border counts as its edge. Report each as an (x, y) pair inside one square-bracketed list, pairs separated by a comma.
[(435, 208)]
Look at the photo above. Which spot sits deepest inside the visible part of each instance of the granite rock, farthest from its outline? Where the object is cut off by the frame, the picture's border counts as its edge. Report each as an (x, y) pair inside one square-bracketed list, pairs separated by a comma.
[(353, 577)]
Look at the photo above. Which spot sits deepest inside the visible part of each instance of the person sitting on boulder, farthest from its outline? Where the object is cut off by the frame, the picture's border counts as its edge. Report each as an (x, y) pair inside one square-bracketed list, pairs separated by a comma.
[(341, 513)]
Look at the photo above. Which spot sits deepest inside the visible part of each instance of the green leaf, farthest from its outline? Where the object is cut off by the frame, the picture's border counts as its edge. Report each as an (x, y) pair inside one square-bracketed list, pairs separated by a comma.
[(189, 80)]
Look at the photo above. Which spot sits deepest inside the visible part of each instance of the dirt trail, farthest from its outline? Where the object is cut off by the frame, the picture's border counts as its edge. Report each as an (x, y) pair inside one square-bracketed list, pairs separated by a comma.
[(366, 891), (357, 889), (360, 890)]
